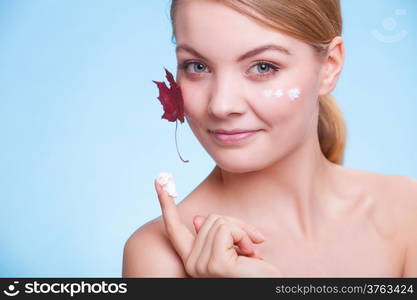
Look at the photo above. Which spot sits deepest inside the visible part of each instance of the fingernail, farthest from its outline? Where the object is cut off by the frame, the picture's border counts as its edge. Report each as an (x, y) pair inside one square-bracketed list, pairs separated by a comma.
[(259, 234)]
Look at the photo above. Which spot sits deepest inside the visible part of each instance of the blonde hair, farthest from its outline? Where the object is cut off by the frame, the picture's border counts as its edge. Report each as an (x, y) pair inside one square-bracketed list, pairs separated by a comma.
[(316, 22)]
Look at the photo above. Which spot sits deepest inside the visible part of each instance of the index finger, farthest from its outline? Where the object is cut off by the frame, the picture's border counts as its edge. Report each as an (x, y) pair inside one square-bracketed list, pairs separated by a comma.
[(179, 235)]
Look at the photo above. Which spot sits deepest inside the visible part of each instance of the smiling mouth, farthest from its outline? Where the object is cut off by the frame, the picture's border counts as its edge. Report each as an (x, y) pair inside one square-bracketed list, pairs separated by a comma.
[(231, 131), (232, 137)]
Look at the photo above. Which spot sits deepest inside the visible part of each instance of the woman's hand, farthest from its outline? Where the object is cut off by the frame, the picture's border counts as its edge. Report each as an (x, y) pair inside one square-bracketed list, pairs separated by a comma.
[(222, 247), (215, 254)]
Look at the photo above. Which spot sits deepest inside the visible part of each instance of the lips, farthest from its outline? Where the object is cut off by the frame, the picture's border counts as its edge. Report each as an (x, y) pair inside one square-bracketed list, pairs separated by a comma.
[(232, 136), (233, 131)]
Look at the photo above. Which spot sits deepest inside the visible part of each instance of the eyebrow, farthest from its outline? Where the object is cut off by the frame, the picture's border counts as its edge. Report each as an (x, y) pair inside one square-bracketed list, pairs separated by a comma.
[(244, 56)]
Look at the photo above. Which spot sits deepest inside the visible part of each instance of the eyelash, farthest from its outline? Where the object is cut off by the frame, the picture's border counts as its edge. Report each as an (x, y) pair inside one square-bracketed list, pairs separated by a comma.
[(274, 67)]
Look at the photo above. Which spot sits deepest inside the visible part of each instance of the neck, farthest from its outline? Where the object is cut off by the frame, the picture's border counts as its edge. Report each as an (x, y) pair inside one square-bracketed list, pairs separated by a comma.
[(297, 187)]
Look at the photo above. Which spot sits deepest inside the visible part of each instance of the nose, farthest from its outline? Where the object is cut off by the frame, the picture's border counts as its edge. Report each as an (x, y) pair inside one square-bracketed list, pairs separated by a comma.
[(226, 98)]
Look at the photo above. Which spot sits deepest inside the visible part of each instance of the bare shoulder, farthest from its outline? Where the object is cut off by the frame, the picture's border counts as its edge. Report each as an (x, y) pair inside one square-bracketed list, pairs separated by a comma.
[(406, 188), (398, 190), (406, 200), (407, 211), (392, 199), (396, 199), (149, 253), (400, 193)]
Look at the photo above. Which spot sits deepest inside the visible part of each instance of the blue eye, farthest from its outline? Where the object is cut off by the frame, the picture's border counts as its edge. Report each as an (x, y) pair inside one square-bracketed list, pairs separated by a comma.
[(262, 66), (200, 66)]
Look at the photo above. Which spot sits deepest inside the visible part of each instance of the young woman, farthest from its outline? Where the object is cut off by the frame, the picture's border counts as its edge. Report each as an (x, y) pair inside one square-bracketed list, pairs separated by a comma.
[(256, 78)]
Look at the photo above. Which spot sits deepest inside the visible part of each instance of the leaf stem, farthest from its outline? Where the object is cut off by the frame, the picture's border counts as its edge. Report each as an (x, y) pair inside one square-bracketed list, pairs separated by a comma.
[(176, 144)]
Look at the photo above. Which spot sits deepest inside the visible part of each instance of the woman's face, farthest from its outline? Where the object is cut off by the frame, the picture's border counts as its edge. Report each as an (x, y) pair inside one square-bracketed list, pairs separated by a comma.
[(273, 91)]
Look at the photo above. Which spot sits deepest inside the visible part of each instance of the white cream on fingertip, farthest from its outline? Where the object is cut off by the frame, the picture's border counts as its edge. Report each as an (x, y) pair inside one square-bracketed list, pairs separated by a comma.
[(166, 180)]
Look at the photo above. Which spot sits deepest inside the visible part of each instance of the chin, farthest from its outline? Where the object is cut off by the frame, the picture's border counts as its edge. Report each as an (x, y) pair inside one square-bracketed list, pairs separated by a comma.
[(238, 165)]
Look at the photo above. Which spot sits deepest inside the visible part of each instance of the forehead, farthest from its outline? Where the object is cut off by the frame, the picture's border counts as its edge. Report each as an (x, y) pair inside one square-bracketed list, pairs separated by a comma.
[(215, 28)]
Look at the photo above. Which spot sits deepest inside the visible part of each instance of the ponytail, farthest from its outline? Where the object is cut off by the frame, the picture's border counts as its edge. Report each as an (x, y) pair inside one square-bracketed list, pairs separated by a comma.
[(331, 130)]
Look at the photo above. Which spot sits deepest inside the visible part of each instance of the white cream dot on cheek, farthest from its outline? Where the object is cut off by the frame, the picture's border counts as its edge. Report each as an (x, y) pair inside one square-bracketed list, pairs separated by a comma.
[(278, 93), (273, 93), (294, 93)]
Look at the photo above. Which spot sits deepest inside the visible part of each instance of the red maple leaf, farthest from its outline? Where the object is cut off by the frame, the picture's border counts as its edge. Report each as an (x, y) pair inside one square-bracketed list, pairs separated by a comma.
[(172, 102), (171, 99)]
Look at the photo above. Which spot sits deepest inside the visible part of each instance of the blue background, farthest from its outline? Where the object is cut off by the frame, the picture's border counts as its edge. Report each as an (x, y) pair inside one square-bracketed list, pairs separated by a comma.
[(82, 137)]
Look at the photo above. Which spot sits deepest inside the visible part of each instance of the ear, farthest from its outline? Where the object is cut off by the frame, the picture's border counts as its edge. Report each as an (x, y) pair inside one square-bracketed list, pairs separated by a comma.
[(198, 222), (332, 67)]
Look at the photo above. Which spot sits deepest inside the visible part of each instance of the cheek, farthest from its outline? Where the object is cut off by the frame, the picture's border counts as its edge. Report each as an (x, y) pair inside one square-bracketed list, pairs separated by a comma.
[(287, 108), (278, 103), (193, 109), (294, 85)]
